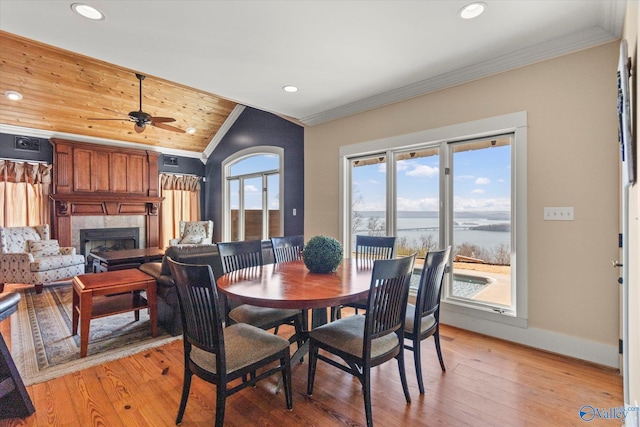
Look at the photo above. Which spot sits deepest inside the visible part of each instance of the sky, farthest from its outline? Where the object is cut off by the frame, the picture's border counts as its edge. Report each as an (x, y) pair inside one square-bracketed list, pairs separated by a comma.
[(481, 182), (252, 188)]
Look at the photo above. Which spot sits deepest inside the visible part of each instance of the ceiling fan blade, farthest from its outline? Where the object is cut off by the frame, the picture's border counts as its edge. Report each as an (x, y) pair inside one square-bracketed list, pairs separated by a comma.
[(161, 119), (138, 129), (167, 127), (94, 118)]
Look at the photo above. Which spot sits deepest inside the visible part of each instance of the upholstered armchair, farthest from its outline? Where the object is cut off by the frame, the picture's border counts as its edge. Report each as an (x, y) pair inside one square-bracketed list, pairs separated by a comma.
[(28, 255), (194, 233)]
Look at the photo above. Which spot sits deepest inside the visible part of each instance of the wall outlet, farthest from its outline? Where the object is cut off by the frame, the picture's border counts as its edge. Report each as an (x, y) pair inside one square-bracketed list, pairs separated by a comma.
[(295, 212), (558, 214)]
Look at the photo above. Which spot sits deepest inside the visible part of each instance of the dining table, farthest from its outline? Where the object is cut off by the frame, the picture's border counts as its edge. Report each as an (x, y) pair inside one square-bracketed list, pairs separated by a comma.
[(292, 285)]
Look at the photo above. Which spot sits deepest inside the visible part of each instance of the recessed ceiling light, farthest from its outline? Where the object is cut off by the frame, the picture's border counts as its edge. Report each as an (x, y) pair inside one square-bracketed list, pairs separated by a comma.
[(289, 88), (191, 130), (472, 10), (13, 95), (89, 12)]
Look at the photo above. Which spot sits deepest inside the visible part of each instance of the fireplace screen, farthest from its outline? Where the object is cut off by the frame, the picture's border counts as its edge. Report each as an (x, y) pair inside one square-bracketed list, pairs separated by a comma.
[(107, 239)]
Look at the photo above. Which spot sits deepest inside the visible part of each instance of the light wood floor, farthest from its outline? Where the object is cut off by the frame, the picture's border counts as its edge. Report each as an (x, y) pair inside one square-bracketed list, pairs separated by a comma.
[(488, 382)]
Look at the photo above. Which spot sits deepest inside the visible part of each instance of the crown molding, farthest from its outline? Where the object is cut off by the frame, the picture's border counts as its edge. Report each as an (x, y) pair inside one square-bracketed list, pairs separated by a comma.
[(217, 138), (46, 134)]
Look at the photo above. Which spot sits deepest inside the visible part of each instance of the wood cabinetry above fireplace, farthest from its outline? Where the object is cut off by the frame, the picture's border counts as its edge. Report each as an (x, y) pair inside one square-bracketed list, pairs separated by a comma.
[(89, 168), (92, 179)]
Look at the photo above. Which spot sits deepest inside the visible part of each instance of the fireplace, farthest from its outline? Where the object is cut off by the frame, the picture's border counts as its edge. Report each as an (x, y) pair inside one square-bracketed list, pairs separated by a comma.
[(107, 239)]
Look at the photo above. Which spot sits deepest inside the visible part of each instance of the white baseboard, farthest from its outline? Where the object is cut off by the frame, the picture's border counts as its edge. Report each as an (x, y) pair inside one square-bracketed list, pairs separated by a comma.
[(579, 348)]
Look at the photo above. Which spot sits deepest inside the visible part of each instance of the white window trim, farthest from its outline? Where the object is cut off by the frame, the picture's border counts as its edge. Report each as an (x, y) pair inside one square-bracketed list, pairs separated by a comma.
[(516, 123), (240, 155)]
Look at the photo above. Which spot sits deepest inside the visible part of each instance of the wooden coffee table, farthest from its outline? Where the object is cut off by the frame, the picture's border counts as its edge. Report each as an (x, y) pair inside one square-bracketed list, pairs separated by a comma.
[(109, 293), (124, 259)]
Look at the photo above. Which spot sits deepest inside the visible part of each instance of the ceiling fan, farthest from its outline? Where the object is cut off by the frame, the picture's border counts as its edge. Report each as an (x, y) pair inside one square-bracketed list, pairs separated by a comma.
[(140, 119)]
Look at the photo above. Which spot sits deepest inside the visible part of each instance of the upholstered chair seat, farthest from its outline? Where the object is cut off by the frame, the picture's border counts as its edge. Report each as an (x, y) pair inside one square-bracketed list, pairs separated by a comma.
[(260, 316), (244, 345), (426, 322), (347, 335)]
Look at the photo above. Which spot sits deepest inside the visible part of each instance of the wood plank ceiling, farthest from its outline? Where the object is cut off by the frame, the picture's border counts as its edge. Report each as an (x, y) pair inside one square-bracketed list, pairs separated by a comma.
[(61, 90)]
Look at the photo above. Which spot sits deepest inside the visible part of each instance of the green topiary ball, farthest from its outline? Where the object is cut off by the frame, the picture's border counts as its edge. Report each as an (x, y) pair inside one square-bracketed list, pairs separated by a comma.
[(322, 254)]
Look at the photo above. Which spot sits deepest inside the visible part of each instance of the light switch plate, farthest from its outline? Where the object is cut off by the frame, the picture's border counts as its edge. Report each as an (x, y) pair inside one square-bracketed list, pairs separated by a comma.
[(558, 214)]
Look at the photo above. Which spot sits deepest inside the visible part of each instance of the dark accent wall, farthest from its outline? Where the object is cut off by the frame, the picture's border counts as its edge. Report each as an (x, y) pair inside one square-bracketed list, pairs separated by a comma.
[(253, 128), (8, 149), (180, 165)]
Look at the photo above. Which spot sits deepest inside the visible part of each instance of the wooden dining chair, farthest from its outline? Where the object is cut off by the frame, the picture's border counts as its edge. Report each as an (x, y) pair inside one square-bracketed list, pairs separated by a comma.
[(365, 341), (368, 250), (221, 355), (244, 254), (423, 319), (287, 248)]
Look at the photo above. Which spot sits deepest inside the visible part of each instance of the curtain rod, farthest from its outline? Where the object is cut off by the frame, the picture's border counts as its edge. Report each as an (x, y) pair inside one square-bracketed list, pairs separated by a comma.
[(181, 174), (25, 160)]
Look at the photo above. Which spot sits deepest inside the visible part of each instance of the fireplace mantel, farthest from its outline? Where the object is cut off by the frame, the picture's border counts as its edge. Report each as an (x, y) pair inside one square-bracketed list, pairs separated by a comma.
[(92, 179), (105, 204)]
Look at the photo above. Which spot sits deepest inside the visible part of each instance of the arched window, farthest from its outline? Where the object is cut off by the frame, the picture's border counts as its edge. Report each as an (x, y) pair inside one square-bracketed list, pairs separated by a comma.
[(252, 191)]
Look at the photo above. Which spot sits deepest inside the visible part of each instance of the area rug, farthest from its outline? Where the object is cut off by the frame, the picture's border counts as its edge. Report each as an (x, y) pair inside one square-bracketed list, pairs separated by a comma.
[(43, 347)]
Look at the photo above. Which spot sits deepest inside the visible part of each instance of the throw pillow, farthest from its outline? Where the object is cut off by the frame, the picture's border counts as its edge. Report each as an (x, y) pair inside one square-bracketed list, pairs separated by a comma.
[(43, 248), (190, 239), (195, 228)]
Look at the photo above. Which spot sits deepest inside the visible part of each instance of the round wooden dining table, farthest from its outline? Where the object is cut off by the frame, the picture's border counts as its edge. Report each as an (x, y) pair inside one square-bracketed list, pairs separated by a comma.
[(292, 285)]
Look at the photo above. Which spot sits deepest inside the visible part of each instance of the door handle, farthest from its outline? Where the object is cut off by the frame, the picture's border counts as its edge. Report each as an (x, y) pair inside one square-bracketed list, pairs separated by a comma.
[(616, 263)]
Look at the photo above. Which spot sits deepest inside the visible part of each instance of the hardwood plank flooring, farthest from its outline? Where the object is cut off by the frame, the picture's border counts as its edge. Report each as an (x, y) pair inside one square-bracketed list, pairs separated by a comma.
[(489, 382)]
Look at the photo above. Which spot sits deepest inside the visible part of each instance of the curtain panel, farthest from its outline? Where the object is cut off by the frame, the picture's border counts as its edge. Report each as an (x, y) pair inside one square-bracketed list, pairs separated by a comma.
[(181, 203), (24, 193)]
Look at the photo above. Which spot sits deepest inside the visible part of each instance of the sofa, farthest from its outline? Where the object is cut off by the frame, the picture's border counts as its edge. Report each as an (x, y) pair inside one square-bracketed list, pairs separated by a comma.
[(28, 255), (168, 306)]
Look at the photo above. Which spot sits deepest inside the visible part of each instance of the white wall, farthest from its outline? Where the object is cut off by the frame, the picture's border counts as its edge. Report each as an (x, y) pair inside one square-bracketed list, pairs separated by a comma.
[(572, 161), (630, 33)]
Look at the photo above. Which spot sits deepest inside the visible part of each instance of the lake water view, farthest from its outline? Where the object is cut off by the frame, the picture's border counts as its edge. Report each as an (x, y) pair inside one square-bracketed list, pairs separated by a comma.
[(494, 226)]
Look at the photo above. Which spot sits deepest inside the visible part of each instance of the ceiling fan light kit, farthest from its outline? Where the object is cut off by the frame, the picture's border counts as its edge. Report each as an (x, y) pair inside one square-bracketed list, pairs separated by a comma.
[(141, 119)]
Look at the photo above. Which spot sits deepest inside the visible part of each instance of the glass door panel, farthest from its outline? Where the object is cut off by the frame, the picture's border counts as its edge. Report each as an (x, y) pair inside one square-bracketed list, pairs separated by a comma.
[(368, 197), (481, 223), (418, 202), (234, 209), (273, 205), (253, 202)]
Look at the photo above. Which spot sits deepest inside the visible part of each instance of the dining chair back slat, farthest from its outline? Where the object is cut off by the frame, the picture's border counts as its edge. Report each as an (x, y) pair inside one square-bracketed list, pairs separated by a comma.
[(199, 302), (368, 250), (372, 248), (363, 342), (287, 248), (239, 255), (250, 349), (430, 286), (388, 296), (423, 319)]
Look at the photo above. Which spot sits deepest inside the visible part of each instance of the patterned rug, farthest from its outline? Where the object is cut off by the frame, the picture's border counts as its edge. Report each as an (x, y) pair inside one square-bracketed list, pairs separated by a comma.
[(42, 345)]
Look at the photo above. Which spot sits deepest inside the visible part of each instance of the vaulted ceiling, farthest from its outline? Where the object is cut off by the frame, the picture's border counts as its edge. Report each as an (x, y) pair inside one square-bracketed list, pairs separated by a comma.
[(203, 59)]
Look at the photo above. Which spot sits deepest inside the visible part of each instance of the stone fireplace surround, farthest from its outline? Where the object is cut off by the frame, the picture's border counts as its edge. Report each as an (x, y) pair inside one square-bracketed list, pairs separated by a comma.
[(105, 222)]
